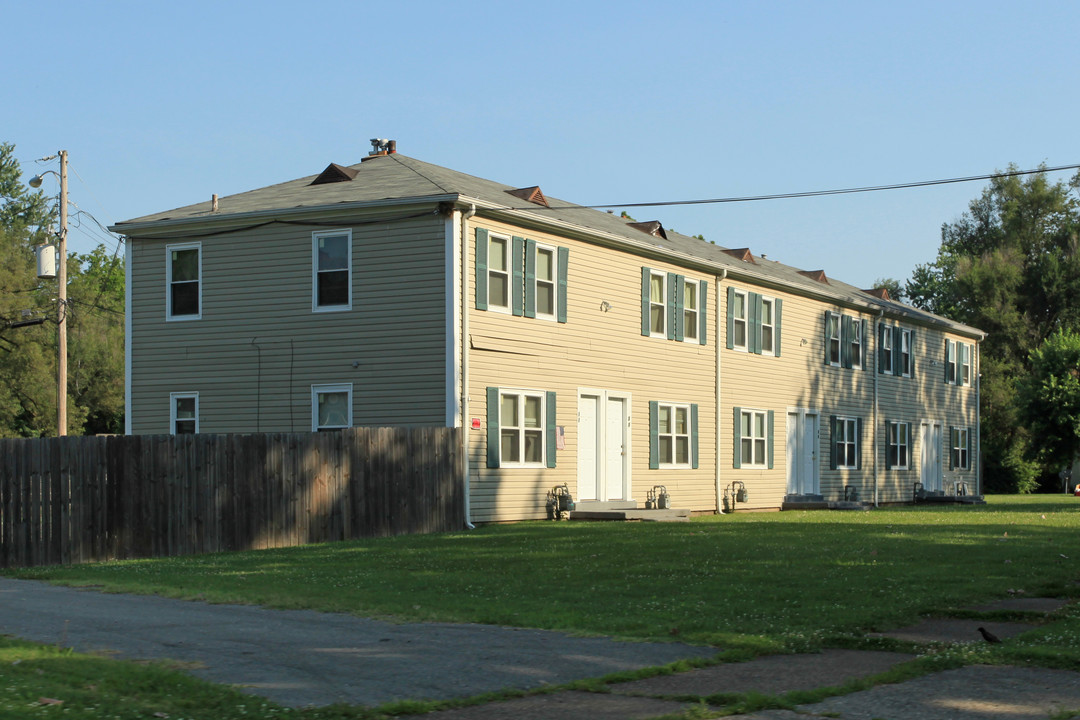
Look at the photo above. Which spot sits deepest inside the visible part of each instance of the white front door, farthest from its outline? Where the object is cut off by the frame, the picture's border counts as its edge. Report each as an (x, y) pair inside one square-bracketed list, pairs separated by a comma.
[(931, 455), (603, 446), (802, 451)]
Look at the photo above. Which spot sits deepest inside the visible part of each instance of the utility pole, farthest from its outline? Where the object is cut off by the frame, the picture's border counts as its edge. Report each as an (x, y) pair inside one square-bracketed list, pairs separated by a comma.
[(61, 323)]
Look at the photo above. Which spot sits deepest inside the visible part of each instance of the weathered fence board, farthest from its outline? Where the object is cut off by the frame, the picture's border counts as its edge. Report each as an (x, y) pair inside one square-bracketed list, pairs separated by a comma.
[(85, 499)]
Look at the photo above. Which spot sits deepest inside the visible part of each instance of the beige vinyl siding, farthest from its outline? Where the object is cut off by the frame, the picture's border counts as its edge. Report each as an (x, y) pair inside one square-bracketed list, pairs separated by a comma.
[(597, 350), (259, 347)]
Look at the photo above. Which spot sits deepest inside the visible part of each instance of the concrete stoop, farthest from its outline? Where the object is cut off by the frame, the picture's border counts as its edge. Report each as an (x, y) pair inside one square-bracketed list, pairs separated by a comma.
[(626, 510)]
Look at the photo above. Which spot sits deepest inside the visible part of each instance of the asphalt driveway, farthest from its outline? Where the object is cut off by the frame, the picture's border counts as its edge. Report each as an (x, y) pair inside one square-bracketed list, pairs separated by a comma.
[(300, 657)]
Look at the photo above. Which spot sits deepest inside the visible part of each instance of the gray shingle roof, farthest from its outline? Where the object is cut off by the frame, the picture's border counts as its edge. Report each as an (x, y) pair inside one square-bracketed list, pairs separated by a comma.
[(397, 178)]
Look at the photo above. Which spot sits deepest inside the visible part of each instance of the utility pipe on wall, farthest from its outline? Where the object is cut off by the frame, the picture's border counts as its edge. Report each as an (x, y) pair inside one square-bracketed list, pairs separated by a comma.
[(465, 425), (716, 341), (874, 369)]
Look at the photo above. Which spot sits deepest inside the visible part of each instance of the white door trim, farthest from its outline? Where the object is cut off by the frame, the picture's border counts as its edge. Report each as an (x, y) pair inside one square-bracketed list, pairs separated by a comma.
[(603, 482)]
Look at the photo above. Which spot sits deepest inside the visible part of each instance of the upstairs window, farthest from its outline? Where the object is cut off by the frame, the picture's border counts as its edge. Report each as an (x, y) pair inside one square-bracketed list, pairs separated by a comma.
[(951, 362), (886, 350), (184, 279), (546, 263), (738, 319), (832, 337), (906, 366), (966, 351), (331, 270), (844, 344), (896, 350), (753, 322), (658, 304), (690, 309), (856, 343), (184, 411), (519, 276), (767, 326), (673, 306)]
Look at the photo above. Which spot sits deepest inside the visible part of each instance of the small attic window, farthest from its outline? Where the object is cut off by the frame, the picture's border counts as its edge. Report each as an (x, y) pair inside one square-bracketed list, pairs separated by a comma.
[(743, 254), (334, 173), (652, 227), (531, 194), (818, 275)]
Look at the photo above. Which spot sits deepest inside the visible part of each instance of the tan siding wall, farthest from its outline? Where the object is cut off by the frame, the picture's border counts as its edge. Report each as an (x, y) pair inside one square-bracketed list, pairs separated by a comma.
[(593, 349), (259, 347)]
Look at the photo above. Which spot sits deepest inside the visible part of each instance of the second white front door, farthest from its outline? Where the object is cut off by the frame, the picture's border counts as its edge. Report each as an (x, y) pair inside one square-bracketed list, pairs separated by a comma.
[(802, 452), (930, 441)]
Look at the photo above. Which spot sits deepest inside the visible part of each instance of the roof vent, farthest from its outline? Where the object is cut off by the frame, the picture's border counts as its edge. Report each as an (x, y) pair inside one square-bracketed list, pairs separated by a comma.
[(334, 173), (743, 254), (652, 227), (382, 146), (880, 293), (531, 194), (818, 275)]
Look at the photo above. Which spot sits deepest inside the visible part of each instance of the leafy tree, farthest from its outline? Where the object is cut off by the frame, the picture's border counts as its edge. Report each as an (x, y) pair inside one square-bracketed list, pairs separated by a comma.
[(28, 352), (1011, 267), (1050, 398)]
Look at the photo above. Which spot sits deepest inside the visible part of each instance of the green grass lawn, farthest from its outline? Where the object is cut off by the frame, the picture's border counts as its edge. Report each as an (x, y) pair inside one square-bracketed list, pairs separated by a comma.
[(770, 582)]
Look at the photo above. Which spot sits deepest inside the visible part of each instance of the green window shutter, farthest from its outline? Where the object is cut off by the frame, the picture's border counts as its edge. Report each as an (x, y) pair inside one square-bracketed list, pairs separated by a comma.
[(481, 269), (880, 351), (654, 435), (530, 278), (858, 443), (730, 317), (888, 465), (517, 283), (753, 325), (736, 456), (564, 258), (552, 439), (493, 445), (693, 435), (952, 445), (828, 336), (703, 312), (680, 305), (948, 346), (864, 349), (969, 461), (897, 349), (670, 308), (833, 445), (769, 440), (910, 447), (911, 349), (778, 314), (847, 331), (646, 274)]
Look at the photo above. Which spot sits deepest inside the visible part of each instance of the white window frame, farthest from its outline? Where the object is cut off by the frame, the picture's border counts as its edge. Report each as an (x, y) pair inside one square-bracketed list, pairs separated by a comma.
[(952, 366), (691, 316), (169, 249), (964, 367), (744, 321), (835, 332), (553, 282), (315, 237), (961, 457), (906, 353), (173, 397), (897, 427), (754, 440), (856, 343), (771, 302), (520, 429), (316, 390), (506, 242), (662, 304), (674, 436), (886, 348), (849, 438)]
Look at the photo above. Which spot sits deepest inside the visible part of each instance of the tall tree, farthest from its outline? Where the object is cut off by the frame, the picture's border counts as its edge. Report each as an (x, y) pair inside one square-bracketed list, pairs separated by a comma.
[(1010, 266), (1049, 398)]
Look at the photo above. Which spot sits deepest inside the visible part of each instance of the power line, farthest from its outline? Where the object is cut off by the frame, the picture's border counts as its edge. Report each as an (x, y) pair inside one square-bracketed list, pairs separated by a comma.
[(817, 193)]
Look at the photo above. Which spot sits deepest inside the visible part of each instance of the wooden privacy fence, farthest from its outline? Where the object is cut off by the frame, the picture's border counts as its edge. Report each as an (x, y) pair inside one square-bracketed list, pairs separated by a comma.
[(82, 499)]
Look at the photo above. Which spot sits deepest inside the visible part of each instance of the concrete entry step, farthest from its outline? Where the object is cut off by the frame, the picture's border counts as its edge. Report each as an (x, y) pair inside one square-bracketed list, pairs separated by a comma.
[(672, 515)]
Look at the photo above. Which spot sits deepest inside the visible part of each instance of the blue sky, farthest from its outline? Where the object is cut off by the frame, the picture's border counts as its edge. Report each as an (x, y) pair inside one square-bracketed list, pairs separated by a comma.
[(163, 104)]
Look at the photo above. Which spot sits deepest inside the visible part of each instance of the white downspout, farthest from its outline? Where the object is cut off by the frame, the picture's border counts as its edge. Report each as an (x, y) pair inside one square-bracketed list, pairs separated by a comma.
[(978, 416), (716, 451), (465, 422), (874, 369)]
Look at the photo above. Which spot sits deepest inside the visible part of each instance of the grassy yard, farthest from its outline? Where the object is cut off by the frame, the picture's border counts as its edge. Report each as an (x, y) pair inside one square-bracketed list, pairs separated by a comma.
[(775, 582)]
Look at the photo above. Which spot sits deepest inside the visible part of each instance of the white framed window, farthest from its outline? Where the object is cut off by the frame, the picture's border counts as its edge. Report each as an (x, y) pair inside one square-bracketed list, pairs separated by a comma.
[(522, 427), (547, 272), (961, 448), (690, 310), (498, 273), (905, 353), (951, 363), (886, 350), (331, 270), (738, 320), (845, 443), (768, 326), (753, 438), (832, 333), (856, 344), (898, 445), (183, 413), (183, 275), (673, 435), (331, 406), (658, 304), (966, 351)]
